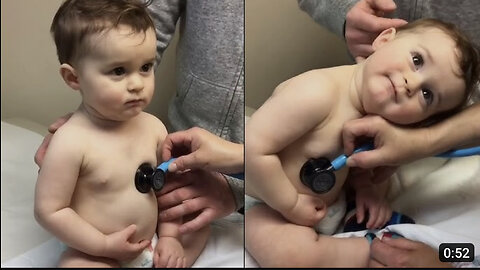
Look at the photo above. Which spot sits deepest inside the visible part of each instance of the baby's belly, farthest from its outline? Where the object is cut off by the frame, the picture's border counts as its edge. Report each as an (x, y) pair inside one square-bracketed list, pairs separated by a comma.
[(114, 211)]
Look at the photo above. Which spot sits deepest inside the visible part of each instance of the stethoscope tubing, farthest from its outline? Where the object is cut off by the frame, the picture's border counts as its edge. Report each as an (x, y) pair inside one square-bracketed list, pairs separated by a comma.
[(341, 160)]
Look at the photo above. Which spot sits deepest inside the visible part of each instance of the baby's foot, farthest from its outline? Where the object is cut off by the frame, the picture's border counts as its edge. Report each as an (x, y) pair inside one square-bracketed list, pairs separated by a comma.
[(169, 253)]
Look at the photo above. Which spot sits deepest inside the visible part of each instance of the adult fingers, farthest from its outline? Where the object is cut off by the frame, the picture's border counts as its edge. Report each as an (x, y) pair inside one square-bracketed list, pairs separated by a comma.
[(381, 252), (176, 181), (204, 218), (357, 128), (180, 141), (182, 163), (383, 5), (185, 208), (383, 173), (42, 150), (177, 196), (375, 24), (401, 243), (375, 264), (367, 159), (59, 122)]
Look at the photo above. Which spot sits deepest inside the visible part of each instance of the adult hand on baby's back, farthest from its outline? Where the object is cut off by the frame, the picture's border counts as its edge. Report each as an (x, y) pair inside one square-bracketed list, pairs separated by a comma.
[(193, 191), (307, 211), (117, 245), (42, 149), (364, 22)]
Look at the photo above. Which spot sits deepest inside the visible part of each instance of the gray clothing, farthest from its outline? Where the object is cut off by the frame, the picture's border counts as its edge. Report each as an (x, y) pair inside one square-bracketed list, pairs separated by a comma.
[(463, 13), (209, 67)]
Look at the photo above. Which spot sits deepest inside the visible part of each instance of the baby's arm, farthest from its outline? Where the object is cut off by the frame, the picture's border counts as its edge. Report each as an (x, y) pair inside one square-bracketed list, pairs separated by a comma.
[(297, 106), (371, 197), (55, 186), (168, 251)]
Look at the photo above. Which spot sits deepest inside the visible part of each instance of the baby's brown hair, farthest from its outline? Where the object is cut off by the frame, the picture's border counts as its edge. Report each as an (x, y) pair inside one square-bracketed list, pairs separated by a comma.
[(77, 19), (468, 59)]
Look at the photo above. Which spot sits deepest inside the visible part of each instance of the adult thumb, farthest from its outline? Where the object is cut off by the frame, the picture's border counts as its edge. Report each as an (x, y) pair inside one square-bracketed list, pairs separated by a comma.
[(183, 163), (365, 159)]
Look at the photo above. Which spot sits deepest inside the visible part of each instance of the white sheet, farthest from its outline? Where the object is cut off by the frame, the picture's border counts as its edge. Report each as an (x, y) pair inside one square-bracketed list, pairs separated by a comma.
[(25, 244)]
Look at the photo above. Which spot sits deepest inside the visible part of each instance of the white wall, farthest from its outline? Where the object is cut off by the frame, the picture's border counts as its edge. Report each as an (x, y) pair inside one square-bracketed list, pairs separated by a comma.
[(31, 86), (283, 41)]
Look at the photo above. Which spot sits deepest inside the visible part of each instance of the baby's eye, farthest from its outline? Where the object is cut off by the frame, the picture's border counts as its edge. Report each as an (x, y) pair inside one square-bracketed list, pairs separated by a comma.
[(119, 71), (427, 96), (147, 67), (417, 60)]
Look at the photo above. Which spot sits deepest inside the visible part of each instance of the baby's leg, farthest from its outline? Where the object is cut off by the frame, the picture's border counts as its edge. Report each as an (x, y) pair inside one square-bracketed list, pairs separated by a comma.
[(73, 258), (194, 243), (275, 242)]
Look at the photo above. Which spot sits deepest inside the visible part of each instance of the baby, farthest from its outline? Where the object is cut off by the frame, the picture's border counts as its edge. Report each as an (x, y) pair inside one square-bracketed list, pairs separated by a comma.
[(423, 70), (85, 193)]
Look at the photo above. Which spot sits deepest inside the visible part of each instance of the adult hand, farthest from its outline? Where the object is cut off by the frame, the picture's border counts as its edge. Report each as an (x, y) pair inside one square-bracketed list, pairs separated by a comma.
[(394, 145), (118, 246), (200, 149), (42, 149), (197, 190), (364, 22), (307, 211), (402, 252)]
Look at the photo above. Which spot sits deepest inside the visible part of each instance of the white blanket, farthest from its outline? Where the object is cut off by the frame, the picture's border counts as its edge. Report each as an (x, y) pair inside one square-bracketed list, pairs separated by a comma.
[(26, 244)]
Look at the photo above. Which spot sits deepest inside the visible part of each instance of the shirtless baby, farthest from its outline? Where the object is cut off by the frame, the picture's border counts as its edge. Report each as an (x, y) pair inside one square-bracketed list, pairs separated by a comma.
[(85, 193), (416, 72)]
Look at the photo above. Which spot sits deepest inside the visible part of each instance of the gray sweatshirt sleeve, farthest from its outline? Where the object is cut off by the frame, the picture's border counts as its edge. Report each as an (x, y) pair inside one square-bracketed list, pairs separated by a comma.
[(328, 13), (238, 189), (165, 14)]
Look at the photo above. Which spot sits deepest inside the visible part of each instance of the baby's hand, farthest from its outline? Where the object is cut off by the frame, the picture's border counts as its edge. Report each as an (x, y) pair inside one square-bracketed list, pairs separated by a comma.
[(307, 211), (379, 211), (169, 253), (118, 247)]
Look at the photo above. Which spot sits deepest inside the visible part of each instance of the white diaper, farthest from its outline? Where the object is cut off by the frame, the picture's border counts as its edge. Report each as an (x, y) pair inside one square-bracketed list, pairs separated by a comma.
[(335, 213), (329, 224), (145, 259)]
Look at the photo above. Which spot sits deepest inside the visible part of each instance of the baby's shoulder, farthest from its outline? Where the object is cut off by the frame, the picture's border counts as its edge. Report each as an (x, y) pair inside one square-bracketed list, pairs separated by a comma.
[(150, 121), (313, 84)]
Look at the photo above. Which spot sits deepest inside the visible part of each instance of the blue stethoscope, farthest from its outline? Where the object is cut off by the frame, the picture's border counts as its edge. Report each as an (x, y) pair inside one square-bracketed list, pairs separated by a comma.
[(317, 173), (147, 178)]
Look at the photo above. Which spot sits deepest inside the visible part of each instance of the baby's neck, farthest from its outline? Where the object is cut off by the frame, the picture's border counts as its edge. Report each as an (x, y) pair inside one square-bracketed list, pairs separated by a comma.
[(355, 89), (97, 119)]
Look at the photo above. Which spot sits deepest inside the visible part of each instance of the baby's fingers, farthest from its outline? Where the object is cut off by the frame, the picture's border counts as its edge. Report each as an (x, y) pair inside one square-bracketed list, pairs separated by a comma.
[(373, 215), (360, 212)]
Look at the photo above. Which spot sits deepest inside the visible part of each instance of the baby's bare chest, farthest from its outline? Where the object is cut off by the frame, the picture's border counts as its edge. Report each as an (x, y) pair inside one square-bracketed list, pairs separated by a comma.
[(110, 162)]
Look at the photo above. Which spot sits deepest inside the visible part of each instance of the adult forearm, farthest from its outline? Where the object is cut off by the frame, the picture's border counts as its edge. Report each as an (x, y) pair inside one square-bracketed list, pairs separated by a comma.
[(330, 14), (458, 131)]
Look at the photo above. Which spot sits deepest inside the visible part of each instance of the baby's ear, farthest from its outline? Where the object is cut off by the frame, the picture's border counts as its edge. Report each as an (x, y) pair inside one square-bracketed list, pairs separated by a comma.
[(384, 37), (69, 75)]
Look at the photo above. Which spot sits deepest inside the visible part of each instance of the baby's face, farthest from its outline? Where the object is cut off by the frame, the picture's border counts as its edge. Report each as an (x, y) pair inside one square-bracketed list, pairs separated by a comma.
[(412, 76), (116, 76)]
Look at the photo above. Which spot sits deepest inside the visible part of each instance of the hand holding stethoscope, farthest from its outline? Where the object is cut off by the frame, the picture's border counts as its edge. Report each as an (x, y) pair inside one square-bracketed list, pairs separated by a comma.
[(318, 173), (195, 148)]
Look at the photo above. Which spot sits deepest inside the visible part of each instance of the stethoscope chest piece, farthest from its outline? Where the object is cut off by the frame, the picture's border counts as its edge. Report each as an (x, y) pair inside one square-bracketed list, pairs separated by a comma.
[(146, 178), (317, 174)]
